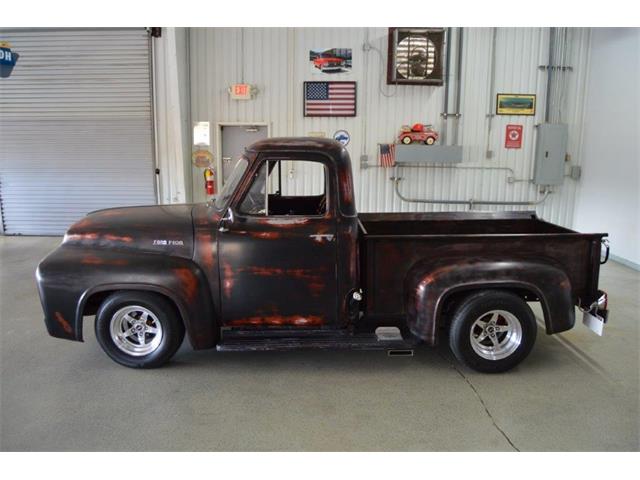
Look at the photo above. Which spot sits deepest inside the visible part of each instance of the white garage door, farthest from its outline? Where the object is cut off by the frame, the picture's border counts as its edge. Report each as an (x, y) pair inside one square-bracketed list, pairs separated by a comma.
[(75, 126)]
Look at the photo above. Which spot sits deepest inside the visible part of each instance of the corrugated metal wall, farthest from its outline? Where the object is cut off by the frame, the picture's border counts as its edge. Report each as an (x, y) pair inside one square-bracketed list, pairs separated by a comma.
[(75, 126), (172, 123), (276, 60)]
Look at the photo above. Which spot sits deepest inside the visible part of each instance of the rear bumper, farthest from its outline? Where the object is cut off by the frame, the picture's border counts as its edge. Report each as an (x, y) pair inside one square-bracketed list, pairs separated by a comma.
[(599, 307), (602, 304)]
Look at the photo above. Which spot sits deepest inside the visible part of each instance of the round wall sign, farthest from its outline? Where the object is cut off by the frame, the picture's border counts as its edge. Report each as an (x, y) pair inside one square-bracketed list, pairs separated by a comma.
[(202, 158), (342, 136)]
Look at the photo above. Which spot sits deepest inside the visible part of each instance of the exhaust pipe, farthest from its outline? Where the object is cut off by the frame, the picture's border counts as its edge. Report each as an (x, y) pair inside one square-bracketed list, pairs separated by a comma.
[(400, 353)]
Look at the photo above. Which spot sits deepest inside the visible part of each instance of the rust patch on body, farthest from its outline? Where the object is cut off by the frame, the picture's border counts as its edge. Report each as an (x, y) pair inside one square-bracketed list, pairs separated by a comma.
[(277, 320), (274, 235), (94, 260), (313, 280), (188, 281), (79, 237), (346, 187), (301, 273), (434, 274), (207, 254), (286, 222), (227, 279), (316, 288), (63, 323), (266, 235), (118, 238), (85, 222)]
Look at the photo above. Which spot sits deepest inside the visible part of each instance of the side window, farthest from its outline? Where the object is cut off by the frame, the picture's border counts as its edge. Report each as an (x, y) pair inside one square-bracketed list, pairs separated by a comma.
[(254, 202), (287, 187)]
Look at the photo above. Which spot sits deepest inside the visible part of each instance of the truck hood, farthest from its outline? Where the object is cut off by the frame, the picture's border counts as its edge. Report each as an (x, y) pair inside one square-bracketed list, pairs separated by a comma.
[(166, 229)]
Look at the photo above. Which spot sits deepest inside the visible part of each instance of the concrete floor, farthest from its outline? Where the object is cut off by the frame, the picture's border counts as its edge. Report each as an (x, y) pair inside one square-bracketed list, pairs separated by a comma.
[(576, 391)]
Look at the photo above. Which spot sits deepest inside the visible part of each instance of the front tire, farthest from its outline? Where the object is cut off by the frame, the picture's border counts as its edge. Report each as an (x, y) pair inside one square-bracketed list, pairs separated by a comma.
[(406, 140), (492, 331), (139, 329)]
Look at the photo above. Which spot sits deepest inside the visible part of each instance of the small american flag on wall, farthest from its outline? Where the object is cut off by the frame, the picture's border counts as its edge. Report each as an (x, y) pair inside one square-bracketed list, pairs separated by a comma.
[(387, 154), (329, 99)]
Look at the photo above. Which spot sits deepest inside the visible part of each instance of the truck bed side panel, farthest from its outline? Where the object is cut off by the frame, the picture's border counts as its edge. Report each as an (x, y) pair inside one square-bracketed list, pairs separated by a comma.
[(389, 259)]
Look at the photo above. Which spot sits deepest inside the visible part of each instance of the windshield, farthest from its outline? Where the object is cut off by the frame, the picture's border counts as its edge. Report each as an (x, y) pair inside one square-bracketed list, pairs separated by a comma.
[(231, 183)]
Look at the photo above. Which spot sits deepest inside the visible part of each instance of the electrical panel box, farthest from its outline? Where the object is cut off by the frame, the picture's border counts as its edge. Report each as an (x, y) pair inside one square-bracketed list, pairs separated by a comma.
[(551, 151)]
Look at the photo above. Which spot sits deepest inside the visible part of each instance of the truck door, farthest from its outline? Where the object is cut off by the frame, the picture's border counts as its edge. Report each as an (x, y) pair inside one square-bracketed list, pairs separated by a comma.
[(278, 246)]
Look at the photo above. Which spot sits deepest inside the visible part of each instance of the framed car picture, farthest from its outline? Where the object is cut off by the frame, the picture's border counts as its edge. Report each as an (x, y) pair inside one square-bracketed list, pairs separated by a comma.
[(330, 61), (515, 104)]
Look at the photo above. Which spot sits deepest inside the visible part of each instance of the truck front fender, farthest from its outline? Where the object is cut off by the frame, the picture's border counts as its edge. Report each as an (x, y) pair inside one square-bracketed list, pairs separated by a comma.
[(429, 283), (69, 276)]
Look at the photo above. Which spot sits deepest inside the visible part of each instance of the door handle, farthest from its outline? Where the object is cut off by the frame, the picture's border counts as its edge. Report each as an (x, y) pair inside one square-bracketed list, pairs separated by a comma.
[(319, 237)]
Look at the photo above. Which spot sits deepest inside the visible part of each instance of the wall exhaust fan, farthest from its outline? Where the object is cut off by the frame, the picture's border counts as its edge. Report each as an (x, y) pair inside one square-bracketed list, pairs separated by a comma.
[(415, 56)]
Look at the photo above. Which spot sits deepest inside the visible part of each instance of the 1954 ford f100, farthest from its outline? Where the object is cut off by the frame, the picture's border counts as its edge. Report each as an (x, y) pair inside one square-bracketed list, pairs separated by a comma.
[(263, 267)]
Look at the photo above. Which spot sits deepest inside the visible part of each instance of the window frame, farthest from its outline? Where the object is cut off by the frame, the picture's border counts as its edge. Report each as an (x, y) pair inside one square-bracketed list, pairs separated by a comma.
[(236, 204), (229, 201)]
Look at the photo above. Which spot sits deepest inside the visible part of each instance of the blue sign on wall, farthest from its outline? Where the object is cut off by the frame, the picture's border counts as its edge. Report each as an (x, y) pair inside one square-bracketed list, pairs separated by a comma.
[(343, 137), (8, 59)]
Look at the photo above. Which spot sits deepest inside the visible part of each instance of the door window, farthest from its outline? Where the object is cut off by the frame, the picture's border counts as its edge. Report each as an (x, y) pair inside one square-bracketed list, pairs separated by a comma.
[(287, 187)]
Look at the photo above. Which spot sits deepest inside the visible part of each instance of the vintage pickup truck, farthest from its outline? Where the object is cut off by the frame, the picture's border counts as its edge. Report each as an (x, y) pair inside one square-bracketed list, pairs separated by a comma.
[(268, 265)]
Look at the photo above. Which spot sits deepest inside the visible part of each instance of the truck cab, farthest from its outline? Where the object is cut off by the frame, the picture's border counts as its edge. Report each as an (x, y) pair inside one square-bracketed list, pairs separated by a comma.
[(281, 260), (273, 238)]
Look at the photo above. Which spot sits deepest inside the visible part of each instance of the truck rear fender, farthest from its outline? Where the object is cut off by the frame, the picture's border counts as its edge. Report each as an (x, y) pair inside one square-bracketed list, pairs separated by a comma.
[(71, 279), (429, 285)]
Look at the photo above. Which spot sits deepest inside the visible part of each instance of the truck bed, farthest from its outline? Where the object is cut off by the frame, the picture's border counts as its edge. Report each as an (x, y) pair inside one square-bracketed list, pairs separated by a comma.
[(391, 243)]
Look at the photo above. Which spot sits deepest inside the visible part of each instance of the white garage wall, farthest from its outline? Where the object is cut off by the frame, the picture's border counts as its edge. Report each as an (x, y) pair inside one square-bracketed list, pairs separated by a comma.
[(609, 196), (276, 60), (171, 114)]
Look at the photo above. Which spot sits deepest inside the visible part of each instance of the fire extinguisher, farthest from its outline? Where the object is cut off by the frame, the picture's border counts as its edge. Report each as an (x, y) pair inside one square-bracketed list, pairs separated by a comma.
[(209, 181)]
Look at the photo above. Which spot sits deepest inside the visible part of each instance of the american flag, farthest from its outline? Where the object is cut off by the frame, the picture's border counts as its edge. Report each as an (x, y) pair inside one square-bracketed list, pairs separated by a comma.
[(329, 99), (387, 154)]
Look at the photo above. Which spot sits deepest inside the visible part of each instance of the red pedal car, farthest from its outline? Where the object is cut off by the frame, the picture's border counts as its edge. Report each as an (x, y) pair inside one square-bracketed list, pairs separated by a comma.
[(418, 133)]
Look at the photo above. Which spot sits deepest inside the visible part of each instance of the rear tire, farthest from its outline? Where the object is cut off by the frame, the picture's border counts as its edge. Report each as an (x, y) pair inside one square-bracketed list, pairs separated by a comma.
[(492, 331), (139, 329), (406, 140)]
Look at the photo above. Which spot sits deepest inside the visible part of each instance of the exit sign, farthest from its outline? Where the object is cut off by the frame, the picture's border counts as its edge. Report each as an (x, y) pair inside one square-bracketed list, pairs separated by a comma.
[(241, 91)]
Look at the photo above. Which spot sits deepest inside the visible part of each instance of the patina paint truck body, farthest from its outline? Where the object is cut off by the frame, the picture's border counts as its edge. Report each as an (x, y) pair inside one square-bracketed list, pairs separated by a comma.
[(281, 279)]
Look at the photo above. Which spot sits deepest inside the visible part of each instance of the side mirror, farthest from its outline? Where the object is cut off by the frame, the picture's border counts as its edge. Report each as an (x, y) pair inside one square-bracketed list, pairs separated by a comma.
[(226, 221)]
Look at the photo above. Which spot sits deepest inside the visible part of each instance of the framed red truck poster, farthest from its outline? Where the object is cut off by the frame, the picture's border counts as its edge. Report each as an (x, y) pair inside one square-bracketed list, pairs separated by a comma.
[(513, 137)]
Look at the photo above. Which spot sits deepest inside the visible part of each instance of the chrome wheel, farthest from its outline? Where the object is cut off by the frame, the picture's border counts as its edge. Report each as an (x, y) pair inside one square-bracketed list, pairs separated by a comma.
[(135, 330), (496, 334)]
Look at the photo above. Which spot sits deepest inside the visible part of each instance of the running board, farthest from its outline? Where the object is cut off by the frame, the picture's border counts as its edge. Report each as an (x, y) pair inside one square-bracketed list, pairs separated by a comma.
[(233, 341)]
